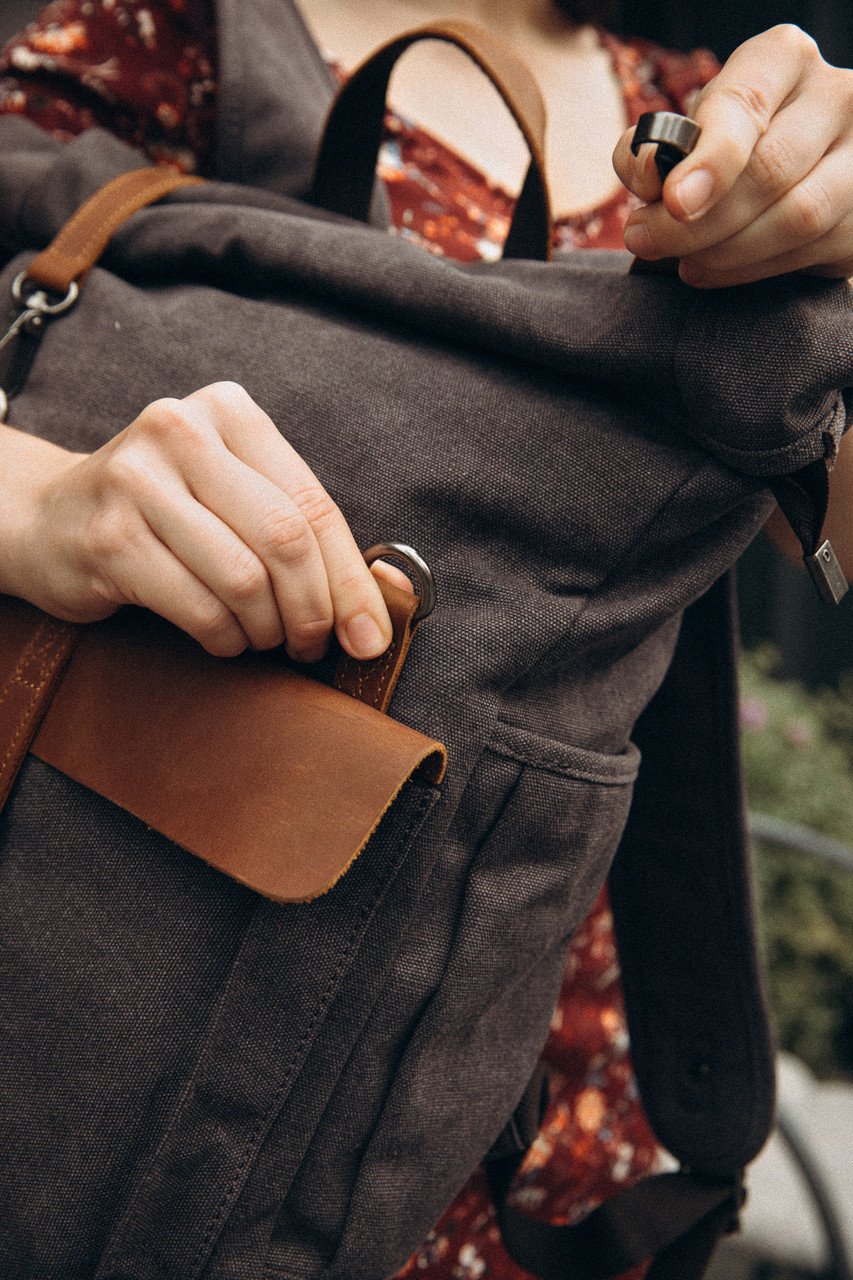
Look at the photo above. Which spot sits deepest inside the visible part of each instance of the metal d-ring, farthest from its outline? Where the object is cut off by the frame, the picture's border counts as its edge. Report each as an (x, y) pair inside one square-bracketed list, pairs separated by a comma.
[(419, 568), (31, 318), (39, 301)]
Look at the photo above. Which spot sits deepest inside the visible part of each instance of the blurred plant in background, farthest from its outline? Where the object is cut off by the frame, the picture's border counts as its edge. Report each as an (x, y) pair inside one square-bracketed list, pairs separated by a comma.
[(798, 760)]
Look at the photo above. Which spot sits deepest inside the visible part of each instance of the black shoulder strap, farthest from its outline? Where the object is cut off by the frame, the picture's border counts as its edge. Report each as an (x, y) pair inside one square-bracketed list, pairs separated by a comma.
[(674, 1218), (702, 1048), (681, 894)]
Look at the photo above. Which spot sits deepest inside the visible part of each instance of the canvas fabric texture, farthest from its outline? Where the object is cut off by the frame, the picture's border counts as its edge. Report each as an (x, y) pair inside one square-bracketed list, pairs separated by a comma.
[(197, 1082)]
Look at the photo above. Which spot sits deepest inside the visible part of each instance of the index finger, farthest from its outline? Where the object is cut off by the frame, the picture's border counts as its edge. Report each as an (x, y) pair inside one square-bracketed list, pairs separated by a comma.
[(361, 619), (735, 110)]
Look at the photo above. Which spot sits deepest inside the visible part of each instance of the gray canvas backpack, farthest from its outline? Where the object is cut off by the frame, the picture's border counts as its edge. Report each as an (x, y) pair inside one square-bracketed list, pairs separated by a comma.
[(197, 1081)]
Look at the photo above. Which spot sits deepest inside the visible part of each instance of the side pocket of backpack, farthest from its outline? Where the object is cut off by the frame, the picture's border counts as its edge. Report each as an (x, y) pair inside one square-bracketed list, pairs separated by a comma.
[(553, 817)]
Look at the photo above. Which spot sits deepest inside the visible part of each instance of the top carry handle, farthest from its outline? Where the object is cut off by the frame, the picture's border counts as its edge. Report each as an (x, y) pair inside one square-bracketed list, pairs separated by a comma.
[(346, 161)]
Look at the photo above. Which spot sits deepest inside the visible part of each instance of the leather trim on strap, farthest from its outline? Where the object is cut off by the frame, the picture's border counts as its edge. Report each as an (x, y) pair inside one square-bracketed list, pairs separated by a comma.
[(43, 646)]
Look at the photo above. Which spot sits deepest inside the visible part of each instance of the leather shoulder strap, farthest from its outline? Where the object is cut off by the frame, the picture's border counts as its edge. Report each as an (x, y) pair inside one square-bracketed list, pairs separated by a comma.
[(74, 251)]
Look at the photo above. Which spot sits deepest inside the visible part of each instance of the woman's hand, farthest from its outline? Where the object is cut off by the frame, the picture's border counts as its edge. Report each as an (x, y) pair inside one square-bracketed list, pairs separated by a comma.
[(769, 186), (200, 511)]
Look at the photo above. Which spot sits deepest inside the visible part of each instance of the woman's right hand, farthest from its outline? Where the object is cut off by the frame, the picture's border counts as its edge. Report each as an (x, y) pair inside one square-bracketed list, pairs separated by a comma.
[(201, 512), (768, 188)]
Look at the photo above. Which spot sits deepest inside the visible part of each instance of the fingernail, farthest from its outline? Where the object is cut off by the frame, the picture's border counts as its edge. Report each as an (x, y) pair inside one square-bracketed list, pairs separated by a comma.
[(365, 637), (638, 241), (694, 192), (695, 276)]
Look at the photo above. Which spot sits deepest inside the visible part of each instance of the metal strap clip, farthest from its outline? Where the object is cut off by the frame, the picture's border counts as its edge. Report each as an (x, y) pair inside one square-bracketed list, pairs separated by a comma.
[(35, 307)]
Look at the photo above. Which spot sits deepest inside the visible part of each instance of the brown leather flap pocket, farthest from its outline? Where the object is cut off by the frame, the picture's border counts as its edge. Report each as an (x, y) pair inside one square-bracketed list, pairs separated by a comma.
[(271, 777)]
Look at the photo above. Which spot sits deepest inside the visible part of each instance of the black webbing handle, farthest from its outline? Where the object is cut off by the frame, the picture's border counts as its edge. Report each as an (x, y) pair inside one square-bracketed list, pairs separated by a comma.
[(346, 160)]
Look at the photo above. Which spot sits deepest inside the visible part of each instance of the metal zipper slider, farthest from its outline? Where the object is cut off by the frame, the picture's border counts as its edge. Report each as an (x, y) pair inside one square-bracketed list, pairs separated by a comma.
[(674, 137), (826, 573)]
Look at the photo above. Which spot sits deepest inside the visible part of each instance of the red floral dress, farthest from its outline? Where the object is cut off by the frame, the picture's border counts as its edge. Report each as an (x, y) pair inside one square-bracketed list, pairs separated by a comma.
[(146, 70)]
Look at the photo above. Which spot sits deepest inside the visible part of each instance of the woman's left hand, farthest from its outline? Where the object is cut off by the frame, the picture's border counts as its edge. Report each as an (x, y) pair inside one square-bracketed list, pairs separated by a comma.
[(769, 186)]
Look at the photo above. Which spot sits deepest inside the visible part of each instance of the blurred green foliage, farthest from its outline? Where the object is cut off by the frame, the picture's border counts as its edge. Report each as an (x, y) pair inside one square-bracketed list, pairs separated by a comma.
[(798, 761)]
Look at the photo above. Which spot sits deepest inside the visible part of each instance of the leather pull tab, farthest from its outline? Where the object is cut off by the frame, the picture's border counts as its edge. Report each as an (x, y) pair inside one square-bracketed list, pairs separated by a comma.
[(346, 161), (373, 681)]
